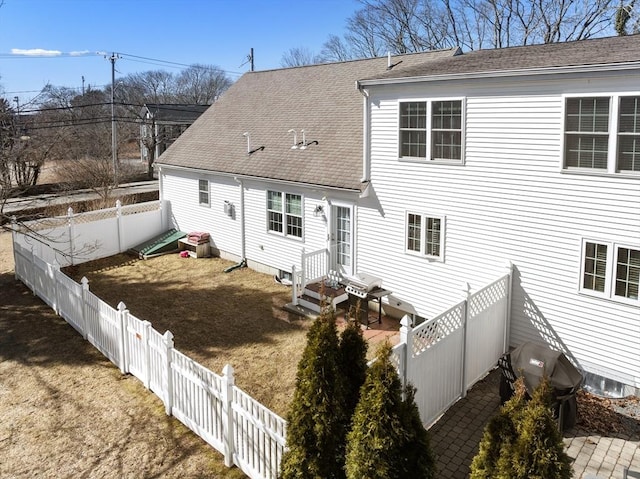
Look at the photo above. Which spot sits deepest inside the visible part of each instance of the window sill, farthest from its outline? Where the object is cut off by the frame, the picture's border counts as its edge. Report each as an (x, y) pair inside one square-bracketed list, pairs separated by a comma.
[(603, 174), (616, 299), (288, 237), (432, 259), (424, 161)]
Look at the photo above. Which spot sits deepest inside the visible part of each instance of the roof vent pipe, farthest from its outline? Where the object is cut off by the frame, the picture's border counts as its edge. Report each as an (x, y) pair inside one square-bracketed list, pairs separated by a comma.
[(246, 134), (304, 141), (295, 138), (389, 60)]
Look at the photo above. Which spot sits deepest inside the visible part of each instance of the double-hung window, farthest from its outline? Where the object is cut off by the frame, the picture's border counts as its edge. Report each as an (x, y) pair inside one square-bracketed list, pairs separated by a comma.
[(424, 235), (203, 193), (431, 130), (284, 213), (610, 270), (602, 134)]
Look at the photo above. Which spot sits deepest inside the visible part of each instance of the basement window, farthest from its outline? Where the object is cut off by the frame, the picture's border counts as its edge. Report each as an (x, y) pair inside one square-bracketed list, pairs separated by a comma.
[(610, 270)]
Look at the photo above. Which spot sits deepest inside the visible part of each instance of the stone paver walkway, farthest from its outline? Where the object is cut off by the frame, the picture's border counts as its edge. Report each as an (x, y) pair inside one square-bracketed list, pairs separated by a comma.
[(455, 438)]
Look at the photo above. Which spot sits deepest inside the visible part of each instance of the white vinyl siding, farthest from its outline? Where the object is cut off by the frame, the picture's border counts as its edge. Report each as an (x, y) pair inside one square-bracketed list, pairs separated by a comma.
[(602, 134), (203, 193), (509, 203), (431, 130)]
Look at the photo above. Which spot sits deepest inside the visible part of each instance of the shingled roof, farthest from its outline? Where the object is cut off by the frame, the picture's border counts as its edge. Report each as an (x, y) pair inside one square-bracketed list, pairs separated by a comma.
[(548, 57), (321, 99)]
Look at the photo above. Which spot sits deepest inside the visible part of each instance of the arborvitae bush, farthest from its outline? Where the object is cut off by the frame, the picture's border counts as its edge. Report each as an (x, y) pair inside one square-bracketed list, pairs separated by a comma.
[(539, 451), (316, 421), (523, 441), (493, 460), (352, 361), (387, 439)]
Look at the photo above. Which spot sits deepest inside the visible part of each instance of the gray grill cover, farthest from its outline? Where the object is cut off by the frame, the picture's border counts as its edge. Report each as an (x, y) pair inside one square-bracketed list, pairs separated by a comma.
[(533, 360)]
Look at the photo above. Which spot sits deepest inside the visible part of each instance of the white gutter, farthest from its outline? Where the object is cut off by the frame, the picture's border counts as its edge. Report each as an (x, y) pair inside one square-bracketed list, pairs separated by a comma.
[(258, 178), (607, 67), (366, 111)]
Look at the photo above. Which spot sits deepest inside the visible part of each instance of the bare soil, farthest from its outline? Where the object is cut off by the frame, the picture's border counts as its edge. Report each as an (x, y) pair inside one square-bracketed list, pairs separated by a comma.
[(67, 412)]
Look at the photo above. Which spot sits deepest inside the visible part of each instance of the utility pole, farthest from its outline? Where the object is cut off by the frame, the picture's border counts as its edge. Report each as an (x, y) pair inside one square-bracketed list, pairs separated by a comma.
[(114, 133), (251, 59), (82, 85)]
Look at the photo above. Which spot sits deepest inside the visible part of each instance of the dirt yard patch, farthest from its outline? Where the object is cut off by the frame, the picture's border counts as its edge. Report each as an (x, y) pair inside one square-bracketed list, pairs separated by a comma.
[(67, 412), (216, 318)]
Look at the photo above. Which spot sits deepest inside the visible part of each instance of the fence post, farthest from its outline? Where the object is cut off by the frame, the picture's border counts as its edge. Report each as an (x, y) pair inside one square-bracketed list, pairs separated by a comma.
[(119, 224), (123, 322), (228, 381), (507, 319), (55, 269), (146, 326), (85, 324), (465, 316), (406, 338), (167, 340), (294, 286), (303, 269), (71, 233)]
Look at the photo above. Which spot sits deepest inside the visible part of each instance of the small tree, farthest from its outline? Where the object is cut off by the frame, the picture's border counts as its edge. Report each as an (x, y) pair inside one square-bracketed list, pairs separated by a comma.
[(539, 452), (523, 441), (387, 439), (352, 360), (316, 419), (493, 460)]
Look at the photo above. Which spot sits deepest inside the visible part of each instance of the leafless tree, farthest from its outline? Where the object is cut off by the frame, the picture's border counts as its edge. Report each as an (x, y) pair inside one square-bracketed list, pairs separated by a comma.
[(404, 26), (200, 84), (299, 56)]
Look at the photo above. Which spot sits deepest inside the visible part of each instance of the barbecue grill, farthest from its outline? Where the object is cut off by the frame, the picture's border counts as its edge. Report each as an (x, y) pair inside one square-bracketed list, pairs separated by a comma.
[(532, 361), (362, 288), (361, 284)]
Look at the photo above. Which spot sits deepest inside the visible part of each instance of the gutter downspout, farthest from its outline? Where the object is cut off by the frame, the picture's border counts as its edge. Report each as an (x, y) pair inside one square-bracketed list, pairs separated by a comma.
[(366, 112), (243, 261)]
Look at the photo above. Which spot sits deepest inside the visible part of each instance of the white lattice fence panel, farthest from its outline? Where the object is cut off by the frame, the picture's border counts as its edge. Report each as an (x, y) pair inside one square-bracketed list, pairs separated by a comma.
[(197, 399), (259, 437), (435, 363), (486, 323), (437, 329), (138, 208)]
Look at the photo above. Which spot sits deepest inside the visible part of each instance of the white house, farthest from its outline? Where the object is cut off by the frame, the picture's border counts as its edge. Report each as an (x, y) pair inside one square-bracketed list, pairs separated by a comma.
[(435, 173), (529, 155), (275, 166)]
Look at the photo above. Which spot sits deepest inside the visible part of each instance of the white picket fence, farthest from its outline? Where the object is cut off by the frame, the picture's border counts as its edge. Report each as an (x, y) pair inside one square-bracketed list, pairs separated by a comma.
[(442, 357), (248, 434), (446, 355)]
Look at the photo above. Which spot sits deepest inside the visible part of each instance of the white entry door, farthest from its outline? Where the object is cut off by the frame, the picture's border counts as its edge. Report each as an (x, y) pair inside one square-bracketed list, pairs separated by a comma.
[(342, 239)]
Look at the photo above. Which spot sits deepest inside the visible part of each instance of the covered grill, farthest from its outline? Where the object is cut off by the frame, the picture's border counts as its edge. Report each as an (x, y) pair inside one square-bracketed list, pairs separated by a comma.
[(532, 361)]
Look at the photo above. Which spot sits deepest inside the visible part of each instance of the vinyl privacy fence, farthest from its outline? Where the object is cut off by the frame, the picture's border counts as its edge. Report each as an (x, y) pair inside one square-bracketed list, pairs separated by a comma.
[(248, 434), (446, 355)]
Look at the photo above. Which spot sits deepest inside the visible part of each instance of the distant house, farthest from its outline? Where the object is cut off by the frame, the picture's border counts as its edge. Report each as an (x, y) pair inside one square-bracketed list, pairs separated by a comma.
[(435, 170), (162, 123)]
